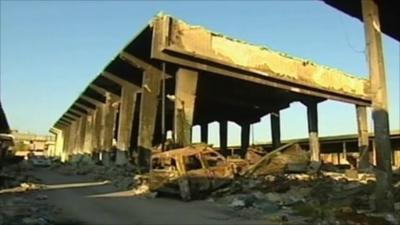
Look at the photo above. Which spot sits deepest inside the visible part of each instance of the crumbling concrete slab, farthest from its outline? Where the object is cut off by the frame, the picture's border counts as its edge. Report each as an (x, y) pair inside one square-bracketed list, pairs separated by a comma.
[(201, 43)]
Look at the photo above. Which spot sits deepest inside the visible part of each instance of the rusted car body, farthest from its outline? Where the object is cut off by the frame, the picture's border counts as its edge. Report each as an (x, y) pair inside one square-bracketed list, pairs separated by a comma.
[(189, 171)]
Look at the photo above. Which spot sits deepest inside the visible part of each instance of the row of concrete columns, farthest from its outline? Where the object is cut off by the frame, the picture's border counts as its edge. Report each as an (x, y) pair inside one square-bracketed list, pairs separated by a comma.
[(93, 132), (312, 116)]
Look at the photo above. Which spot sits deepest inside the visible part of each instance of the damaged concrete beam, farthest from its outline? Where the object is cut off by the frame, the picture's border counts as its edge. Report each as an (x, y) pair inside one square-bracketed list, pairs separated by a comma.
[(141, 64), (193, 46)]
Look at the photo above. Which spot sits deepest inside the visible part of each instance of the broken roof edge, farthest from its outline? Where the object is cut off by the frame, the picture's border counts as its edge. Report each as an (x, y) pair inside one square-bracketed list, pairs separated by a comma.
[(262, 47)]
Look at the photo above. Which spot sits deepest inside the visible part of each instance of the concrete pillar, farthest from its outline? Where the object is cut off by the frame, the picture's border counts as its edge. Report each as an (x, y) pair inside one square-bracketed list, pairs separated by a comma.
[(275, 129), (59, 142), (147, 116), (362, 124), (126, 113), (82, 134), (344, 151), (73, 143), (223, 136), (185, 97), (397, 158), (374, 155), (96, 132), (107, 132), (204, 133), (312, 115), (88, 142), (245, 138), (384, 186)]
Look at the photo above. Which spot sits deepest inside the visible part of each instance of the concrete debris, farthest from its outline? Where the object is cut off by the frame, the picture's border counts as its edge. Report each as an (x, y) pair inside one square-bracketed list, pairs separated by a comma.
[(237, 203), (277, 161), (351, 173), (281, 187), (41, 197), (25, 208), (308, 198), (26, 211)]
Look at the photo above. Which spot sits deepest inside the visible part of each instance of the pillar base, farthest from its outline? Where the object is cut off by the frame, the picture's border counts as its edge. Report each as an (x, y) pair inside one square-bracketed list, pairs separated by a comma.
[(106, 158), (121, 157)]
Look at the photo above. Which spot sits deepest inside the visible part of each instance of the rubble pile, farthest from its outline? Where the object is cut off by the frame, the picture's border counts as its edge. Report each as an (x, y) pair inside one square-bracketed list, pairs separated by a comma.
[(121, 177), (13, 175), (326, 198), (18, 204), (26, 210)]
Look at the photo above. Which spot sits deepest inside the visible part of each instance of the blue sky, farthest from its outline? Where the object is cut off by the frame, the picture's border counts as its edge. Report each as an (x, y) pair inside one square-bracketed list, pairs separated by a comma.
[(50, 51)]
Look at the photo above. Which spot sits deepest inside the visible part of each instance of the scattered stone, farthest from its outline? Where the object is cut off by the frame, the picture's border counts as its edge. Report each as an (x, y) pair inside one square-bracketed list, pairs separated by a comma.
[(397, 206), (351, 173), (31, 221), (237, 203), (274, 197), (296, 167), (314, 167), (41, 197)]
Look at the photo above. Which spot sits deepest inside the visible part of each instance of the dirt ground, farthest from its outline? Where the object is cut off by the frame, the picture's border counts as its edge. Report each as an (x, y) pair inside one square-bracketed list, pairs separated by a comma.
[(103, 204)]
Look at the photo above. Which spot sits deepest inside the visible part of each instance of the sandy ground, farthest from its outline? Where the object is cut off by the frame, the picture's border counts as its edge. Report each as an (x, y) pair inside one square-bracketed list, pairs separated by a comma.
[(102, 204)]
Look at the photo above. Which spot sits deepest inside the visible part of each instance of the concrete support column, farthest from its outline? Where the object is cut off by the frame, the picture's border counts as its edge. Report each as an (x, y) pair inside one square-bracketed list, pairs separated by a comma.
[(82, 134), (88, 145), (245, 139), (64, 150), (396, 158), (147, 116), (275, 129), (312, 115), (96, 145), (107, 132), (126, 113), (73, 140), (223, 135), (66, 138), (384, 185), (185, 97), (362, 125), (59, 143), (204, 133)]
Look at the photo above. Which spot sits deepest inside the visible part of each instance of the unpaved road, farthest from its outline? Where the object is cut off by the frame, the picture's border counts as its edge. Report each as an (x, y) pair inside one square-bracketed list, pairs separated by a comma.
[(104, 205)]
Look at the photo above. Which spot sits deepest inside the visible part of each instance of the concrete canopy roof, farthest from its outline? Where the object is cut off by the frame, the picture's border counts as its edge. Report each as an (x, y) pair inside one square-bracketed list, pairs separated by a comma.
[(228, 69)]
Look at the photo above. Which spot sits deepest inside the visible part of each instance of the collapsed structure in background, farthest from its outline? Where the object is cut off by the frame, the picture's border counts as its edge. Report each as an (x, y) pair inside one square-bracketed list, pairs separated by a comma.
[(173, 76)]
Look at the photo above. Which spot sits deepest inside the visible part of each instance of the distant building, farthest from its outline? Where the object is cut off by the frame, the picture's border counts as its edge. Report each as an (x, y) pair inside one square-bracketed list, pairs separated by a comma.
[(28, 142)]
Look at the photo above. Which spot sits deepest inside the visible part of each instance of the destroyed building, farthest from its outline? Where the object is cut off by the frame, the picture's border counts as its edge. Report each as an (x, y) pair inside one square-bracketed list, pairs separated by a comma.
[(173, 76)]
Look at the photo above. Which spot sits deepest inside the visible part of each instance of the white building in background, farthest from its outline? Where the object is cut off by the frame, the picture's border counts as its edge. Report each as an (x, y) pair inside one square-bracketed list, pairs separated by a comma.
[(38, 144)]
